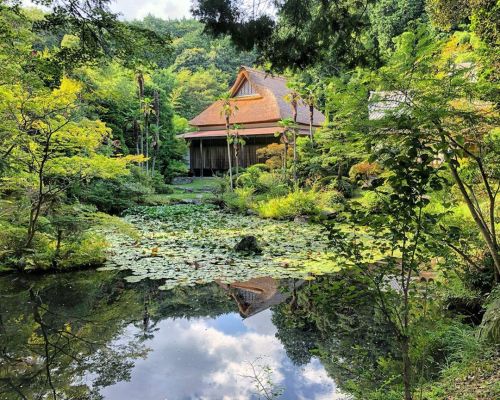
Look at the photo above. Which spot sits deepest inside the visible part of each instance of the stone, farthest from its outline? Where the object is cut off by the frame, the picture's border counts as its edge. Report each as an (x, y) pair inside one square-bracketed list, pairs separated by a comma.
[(182, 180), (301, 219), (248, 244)]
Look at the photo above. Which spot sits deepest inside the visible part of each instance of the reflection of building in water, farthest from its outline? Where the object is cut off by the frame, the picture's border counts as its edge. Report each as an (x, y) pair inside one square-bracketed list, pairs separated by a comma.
[(255, 295)]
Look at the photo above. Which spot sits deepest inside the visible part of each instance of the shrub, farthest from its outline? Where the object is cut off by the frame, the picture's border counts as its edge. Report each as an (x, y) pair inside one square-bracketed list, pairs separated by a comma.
[(116, 195), (364, 171), (273, 154), (272, 183), (343, 186), (87, 250), (330, 198), (249, 177), (239, 200), (12, 239), (370, 200), (173, 169), (262, 181), (159, 185), (295, 203)]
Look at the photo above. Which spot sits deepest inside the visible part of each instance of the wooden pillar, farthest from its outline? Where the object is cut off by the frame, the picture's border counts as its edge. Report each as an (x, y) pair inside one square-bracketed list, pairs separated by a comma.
[(202, 160)]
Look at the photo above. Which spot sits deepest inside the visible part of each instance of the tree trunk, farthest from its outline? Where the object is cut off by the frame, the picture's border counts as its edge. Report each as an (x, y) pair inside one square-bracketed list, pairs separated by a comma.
[(137, 138), (156, 140), (146, 150), (36, 207), (294, 106), (236, 146), (405, 350), (229, 155), (485, 233), (295, 156), (140, 84), (285, 154), (311, 120)]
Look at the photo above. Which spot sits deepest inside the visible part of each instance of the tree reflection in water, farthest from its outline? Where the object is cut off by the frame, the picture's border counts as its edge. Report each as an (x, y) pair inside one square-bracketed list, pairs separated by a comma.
[(59, 334), (64, 336), (336, 318)]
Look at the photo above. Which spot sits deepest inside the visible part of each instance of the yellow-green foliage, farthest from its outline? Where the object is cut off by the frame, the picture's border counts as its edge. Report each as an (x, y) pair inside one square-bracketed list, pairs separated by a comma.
[(272, 183), (330, 199), (117, 224), (84, 250), (369, 199), (240, 199), (295, 203), (11, 238), (89, 250)]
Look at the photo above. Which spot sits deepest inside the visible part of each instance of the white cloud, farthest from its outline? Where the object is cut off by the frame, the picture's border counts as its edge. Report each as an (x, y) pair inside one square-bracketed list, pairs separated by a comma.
[(137, 9), (203, 358), (166, 9)]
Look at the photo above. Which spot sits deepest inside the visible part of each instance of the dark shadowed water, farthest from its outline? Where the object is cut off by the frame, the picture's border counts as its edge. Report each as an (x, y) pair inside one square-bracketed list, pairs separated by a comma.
[(91, 335)]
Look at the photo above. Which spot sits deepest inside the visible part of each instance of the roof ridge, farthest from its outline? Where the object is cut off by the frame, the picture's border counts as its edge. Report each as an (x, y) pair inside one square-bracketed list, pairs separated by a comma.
[(275, 76)]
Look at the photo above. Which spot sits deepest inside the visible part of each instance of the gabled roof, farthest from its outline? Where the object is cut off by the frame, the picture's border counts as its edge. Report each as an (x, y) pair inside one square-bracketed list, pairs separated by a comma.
[(266, 104)]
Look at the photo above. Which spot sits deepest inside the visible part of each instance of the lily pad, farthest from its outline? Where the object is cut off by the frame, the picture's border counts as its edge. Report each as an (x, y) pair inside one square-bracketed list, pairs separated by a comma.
[(194, 244)]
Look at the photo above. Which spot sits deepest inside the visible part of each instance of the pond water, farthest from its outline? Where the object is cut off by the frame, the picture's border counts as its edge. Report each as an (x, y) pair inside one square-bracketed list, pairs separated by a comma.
[(178, 314), (92, 335)]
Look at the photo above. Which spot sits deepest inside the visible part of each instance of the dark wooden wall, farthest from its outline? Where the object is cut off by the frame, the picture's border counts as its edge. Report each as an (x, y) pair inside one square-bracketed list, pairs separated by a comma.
[(215, 158)]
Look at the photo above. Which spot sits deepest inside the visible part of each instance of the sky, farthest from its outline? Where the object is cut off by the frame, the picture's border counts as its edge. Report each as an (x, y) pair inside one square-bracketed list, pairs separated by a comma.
[(137, 9), (166, 9)]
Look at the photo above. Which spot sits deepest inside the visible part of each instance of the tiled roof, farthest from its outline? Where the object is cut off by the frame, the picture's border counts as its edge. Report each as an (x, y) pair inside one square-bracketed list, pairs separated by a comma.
[(267, 105)]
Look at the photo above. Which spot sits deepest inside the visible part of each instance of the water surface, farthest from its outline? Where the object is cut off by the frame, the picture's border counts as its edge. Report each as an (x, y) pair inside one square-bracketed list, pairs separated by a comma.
[(92, 335)]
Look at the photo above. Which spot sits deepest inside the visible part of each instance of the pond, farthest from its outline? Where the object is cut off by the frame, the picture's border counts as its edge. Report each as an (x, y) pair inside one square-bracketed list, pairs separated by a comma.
[(178, 314), (106, 338)]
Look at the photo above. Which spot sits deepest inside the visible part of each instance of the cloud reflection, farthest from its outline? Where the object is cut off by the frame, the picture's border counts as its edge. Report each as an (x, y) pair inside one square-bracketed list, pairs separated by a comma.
[(203, 359)]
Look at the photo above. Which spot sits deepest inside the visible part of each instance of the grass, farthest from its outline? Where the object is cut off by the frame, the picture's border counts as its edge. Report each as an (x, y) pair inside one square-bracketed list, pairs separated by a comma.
[(477, 379)]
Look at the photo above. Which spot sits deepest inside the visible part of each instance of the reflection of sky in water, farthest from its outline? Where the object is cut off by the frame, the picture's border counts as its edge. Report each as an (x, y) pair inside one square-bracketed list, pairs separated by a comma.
[(206, 358)]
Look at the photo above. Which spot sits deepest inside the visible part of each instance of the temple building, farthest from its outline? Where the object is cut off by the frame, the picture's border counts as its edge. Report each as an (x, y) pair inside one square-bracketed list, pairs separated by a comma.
[(259, 103)]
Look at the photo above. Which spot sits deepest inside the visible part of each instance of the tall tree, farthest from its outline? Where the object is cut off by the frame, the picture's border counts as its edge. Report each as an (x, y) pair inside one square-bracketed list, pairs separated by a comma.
[(228, 110)]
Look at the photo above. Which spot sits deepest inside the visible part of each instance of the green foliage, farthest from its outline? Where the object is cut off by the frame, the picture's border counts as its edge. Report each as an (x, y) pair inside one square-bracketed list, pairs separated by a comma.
[(390, 18), (490, 326), (296, 203), (343, 186), (240, 199), (329, 199), (116, 195)]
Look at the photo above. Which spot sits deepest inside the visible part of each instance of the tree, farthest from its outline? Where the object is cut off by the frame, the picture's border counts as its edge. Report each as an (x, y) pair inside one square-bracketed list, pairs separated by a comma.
[(450, 99), (288, 126), (390, 18), (196, 91), (228, 110), (55, 146), (293, 99), (238, 142), (399, 244), (100, 34), (302, 34)]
